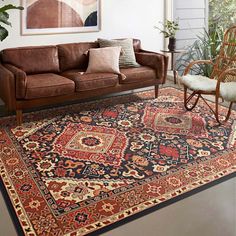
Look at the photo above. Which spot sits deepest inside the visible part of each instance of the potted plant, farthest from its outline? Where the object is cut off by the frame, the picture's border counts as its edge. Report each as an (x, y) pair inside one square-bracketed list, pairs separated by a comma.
[(4, 17), (169, 31)]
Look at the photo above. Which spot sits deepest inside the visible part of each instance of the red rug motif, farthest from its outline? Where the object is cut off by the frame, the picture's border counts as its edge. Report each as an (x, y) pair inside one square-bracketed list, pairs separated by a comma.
[(76, 169)]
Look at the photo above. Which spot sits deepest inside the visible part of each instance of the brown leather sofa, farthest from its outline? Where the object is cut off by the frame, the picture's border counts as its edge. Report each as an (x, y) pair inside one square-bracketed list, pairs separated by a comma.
[(44, 75)]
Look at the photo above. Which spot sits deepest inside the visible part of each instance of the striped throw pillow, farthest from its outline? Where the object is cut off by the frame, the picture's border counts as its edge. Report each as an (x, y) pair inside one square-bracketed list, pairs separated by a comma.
[(127, 58)]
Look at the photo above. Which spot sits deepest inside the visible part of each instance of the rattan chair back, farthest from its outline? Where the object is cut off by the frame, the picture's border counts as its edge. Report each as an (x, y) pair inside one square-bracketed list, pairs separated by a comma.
[(227, 56)]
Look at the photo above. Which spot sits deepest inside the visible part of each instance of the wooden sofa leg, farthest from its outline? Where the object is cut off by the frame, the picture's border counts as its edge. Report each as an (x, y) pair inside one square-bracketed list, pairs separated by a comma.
[(156, 91), (19, 117)]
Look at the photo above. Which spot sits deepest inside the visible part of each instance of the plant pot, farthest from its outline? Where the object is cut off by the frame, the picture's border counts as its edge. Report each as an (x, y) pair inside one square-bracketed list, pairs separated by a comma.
[(172, 44)]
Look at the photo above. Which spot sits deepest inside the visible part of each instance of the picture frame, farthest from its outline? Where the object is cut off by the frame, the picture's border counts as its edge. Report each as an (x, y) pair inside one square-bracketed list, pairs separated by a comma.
[(60, 16)]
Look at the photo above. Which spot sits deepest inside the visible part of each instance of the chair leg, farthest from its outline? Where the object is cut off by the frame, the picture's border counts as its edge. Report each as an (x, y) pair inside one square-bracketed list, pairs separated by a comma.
[(217, 112), (229, 111), (187, 99), (156, 91), (19, 117)]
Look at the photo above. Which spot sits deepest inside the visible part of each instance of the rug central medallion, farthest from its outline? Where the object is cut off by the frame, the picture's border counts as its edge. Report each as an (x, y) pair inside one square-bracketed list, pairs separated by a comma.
[(92, 143)]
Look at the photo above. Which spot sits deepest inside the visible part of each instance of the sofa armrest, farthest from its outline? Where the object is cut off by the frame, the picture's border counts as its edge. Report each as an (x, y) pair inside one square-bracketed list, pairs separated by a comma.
[(7, 88), (20, 78), (157, 61)]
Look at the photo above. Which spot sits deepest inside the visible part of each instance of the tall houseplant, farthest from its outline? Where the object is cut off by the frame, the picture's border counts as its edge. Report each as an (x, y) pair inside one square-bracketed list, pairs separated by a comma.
[(4, 19), (206, 47), (169, 31)]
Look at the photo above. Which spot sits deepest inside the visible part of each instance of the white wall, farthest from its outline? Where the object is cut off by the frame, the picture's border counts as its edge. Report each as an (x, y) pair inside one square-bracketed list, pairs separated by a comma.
[(120, 18), (193, 18)]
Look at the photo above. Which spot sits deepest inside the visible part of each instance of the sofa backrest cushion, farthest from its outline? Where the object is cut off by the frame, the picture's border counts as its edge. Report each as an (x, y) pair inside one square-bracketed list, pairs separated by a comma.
[(72, 55), (33, 60)]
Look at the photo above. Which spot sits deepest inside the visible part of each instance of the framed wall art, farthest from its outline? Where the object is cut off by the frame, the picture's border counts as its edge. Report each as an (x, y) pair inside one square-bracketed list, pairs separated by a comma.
[(60, 16)]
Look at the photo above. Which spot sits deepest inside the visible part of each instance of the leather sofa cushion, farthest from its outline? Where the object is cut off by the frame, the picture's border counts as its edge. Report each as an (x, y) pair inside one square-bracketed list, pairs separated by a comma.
[(72, 55), (134, 75), (48, 85), (32, 60), (86, 82)]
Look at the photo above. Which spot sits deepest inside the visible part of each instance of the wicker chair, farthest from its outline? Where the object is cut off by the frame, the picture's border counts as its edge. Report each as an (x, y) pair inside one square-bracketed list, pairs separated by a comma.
[(221, 83)]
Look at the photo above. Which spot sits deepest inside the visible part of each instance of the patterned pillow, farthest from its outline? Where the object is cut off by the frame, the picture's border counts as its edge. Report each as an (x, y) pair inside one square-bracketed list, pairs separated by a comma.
[(127, 58)]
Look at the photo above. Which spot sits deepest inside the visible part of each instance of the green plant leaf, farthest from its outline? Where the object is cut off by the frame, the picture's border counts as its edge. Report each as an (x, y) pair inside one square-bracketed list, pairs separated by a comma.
[(206, 47), (10, 7), (4, 16), (3, 33), (170, 28)]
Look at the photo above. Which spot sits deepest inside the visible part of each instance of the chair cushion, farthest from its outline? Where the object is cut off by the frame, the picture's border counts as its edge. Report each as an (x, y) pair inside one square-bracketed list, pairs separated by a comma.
[(48, 85), (134, 75), (199, 82), (85, 82), (228, 91)]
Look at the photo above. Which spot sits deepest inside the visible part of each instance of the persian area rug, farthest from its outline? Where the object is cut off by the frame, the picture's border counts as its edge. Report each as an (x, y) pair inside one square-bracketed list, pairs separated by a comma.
[(77, 169)]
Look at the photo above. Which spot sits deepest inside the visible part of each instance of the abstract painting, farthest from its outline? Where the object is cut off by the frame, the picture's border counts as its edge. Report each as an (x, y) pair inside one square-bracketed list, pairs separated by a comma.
[(60, 16)]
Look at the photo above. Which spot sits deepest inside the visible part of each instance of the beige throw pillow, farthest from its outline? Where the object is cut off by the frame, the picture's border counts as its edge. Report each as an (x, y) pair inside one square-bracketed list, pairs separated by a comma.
[(104, 60)]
